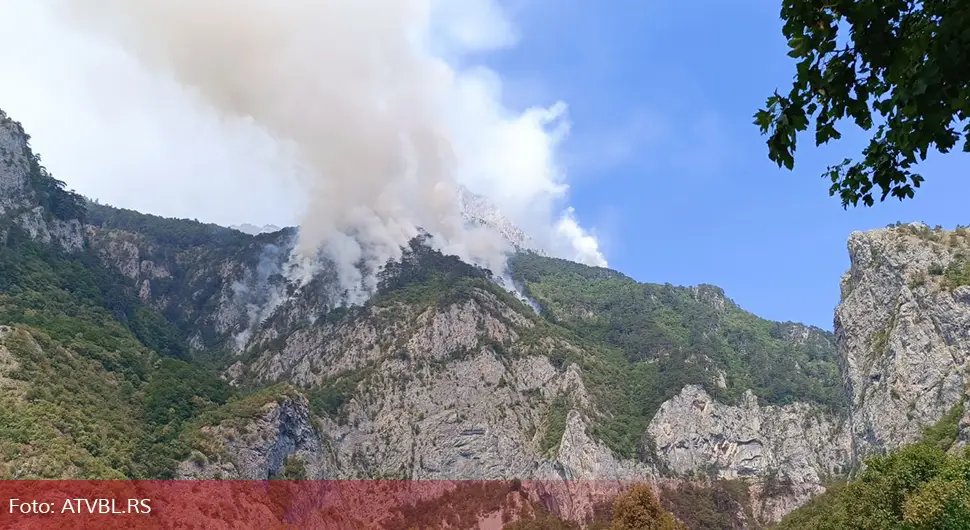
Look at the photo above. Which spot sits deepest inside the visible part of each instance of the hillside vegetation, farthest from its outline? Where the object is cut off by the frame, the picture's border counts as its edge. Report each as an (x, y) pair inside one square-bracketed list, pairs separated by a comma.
[(192, 254), (93, 383), (655, 339)]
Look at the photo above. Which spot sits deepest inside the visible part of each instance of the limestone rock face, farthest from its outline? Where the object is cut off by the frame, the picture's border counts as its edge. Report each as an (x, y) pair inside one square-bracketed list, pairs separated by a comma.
[(14, 165), (904, 333), (582, 458), (797, 446), (436, 394), (693, 432), (477, 210)]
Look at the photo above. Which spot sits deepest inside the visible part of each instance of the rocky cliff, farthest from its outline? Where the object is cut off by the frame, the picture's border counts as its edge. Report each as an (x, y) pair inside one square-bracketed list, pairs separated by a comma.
[(29, 198), (795, 447), (440, 392), (903, 329), (270, 435)]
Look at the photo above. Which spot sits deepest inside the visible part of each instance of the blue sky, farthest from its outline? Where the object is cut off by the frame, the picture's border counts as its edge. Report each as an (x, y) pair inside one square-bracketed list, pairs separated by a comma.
[(665, 161)]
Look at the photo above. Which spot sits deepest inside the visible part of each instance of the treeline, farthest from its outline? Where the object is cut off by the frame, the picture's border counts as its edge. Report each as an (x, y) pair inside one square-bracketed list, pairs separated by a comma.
[(165, 232), (422, 266)]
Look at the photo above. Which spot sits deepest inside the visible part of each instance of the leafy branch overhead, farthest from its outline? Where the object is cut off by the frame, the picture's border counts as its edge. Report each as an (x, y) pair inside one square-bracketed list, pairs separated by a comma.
[(902, 69)]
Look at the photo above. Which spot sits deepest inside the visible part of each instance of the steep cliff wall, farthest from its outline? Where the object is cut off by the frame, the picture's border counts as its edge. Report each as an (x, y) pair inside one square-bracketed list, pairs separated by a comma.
[(796, 448), (903, 329), (439, 392)]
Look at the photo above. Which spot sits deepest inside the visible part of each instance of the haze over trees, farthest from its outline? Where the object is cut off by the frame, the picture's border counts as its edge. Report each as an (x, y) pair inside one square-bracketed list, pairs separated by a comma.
[(896, 68)]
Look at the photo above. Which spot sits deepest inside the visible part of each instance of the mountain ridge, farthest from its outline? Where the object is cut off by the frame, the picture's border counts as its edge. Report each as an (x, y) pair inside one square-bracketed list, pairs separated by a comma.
[(231, 360)]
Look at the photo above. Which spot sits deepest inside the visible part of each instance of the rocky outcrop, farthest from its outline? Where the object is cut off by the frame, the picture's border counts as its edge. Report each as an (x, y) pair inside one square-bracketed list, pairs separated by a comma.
[(14, 166), (20, 177), (477, 210), (797, 447), (903, 328), (581, 458), (694, 433), (308, 356)]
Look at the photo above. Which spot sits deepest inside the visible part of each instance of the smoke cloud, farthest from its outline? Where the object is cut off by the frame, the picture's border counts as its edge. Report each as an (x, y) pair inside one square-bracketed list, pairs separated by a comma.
[(377, 130)]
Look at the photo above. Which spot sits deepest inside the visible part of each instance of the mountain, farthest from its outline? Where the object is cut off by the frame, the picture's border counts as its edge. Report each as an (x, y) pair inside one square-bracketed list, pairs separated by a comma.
[(904, 327), (136, 346)]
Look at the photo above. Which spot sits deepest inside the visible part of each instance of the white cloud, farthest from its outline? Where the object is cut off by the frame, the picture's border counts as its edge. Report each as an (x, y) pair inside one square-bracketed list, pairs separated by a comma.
[(472, 25), (180, 140)]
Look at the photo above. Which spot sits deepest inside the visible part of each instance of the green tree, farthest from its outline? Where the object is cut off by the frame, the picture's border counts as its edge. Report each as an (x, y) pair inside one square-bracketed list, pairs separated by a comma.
[(639, 509), (896, 65)]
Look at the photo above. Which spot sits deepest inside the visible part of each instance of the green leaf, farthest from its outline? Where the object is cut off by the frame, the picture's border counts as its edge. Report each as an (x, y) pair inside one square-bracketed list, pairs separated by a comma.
[(904, 60)]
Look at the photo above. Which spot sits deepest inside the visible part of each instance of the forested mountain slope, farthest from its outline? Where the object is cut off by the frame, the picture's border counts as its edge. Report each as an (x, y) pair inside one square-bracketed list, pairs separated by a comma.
[(93, 383)]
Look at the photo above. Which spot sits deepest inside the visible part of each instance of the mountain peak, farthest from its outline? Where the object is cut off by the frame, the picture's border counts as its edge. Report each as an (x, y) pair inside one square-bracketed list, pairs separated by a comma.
[(478, 210)]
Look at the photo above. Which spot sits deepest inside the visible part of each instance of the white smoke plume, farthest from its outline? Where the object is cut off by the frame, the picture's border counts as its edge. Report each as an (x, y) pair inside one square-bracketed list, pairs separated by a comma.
[(376, 123)]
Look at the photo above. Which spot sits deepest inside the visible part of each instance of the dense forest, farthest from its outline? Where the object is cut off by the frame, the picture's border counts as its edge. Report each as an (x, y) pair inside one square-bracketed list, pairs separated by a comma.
[(111, 376)]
